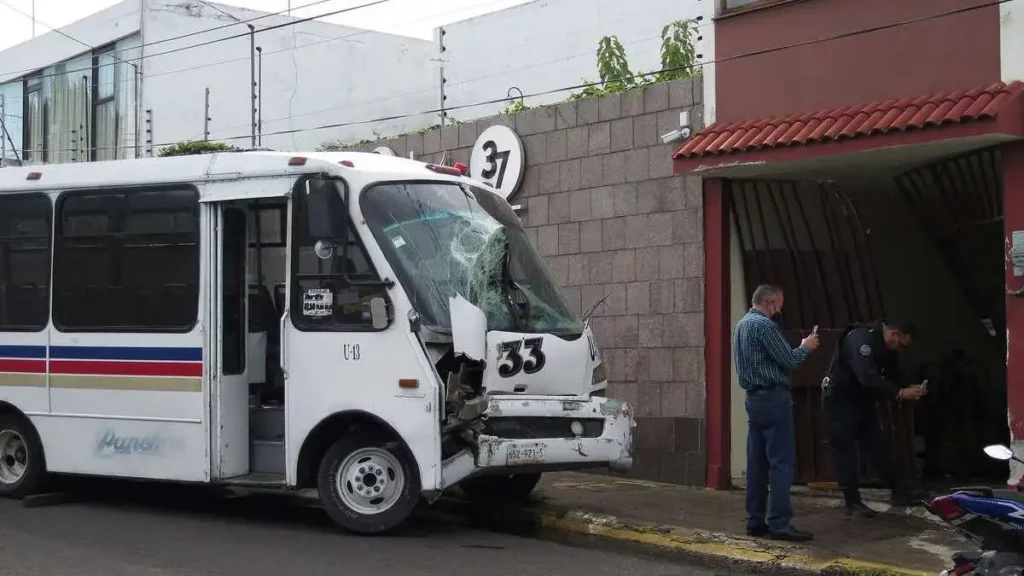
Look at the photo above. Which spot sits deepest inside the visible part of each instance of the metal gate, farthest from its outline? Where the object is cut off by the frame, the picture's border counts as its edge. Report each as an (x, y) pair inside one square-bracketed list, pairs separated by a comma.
[(807, 238), (959, 201)]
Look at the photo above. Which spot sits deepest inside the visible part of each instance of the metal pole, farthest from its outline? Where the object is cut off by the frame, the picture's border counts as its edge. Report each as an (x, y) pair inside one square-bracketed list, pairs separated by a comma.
[(259, 99), (3, 141), (33, 18), (441, 49), (206, 117), (252, 79)]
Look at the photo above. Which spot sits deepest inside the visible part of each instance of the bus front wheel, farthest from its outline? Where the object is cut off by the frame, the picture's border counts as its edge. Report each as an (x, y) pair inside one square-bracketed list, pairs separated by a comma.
[(367, 484), (21, 457)]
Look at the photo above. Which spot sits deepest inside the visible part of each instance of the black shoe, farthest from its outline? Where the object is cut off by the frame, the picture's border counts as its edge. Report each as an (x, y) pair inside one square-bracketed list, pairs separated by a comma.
[(758, 531), (858, 510), (791, 534)]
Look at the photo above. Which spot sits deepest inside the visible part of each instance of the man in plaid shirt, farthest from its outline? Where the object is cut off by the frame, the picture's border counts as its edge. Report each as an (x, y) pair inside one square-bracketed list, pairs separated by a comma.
[(764, 361)]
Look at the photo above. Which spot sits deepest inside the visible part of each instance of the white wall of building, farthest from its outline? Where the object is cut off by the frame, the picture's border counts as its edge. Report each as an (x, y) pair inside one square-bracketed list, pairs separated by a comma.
[(1011, 41), (549, 44), (314, 74), (103, 27)]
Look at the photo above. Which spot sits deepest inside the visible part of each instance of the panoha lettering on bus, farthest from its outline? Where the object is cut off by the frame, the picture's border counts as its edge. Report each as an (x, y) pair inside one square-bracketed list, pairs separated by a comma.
[(156, 444)]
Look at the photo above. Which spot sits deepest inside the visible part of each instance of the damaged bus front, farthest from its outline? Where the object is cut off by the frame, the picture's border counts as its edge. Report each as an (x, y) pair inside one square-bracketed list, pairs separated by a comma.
[(523, 378)]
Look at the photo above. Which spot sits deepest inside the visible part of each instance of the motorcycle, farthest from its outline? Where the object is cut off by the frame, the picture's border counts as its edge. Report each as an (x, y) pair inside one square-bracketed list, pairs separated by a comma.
[(992, 519)]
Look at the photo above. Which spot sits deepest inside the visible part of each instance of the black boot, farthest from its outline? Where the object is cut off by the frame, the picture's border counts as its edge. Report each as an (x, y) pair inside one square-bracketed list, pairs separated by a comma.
[(858, 509), (791, 534)]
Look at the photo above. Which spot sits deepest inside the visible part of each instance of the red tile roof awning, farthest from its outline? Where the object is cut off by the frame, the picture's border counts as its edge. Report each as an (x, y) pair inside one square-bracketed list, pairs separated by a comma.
[(720, 141)]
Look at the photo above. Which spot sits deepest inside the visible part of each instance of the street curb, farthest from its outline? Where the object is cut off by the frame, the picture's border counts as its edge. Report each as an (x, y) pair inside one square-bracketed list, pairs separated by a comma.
[(758, 553)]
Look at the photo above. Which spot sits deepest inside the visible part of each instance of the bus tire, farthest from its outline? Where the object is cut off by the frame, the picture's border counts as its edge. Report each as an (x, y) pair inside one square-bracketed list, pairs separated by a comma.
[(22, 470), (508, 489), (368, 484)]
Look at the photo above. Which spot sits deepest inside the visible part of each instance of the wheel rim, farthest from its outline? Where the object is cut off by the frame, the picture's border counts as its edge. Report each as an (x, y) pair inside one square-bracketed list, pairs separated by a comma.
[(13, 457), (370, 480)]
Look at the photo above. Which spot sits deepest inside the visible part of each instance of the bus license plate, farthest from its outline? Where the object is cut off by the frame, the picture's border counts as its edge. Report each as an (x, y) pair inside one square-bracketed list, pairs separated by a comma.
[(518, 455)]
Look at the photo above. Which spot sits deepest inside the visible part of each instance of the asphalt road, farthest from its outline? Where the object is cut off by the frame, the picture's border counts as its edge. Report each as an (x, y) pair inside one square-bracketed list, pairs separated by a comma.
[(128, 529)]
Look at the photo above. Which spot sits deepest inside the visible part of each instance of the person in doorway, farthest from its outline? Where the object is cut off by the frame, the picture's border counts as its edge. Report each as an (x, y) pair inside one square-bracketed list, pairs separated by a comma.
[(863, 371), (764, 361)]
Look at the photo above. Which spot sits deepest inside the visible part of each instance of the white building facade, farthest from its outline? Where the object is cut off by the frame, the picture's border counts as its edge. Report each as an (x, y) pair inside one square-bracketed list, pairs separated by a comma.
[(135, 79)]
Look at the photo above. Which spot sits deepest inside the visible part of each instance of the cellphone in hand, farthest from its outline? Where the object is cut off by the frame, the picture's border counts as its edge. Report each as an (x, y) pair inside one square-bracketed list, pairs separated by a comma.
[(815, 330), (924, 386)]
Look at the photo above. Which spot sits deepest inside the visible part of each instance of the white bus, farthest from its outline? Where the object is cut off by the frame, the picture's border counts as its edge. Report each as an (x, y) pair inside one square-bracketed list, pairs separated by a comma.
[(374, 327)]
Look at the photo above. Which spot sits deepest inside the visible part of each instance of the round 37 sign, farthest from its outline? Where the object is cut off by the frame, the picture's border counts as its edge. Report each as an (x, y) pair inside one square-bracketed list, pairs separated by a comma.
[(498, 160)]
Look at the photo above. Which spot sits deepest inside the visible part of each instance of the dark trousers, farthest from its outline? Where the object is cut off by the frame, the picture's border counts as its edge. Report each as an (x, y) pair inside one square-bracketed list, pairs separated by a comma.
[(771, 457), (852, 422)]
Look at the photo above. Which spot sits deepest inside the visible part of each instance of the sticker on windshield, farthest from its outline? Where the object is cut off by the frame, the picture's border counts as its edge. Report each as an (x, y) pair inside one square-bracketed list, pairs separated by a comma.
[(398, 241), (317, 302)]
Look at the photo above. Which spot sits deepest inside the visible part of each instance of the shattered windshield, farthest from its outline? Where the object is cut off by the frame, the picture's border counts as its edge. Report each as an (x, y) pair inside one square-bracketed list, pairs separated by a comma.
[(444, 238)]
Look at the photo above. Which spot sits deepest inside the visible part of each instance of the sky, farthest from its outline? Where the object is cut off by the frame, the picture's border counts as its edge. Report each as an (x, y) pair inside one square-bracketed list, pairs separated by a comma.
[(416, 18)]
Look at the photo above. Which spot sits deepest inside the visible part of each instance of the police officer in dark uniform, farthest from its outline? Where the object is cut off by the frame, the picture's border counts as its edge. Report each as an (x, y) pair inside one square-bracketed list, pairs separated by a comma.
[(863, 371)]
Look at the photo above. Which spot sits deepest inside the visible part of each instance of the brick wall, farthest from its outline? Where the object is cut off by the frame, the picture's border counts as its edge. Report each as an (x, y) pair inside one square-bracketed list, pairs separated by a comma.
[(601, 204)]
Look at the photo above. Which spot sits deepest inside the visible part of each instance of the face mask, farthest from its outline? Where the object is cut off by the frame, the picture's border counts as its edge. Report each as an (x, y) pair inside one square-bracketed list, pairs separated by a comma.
[(775, 315)]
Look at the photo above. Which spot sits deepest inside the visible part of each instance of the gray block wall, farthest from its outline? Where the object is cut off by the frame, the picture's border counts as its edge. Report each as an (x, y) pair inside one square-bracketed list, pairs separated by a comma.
[(601, 204)]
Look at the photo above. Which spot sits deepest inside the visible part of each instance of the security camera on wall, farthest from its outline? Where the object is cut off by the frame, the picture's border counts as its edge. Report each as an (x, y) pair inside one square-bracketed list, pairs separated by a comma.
[(682, 133)]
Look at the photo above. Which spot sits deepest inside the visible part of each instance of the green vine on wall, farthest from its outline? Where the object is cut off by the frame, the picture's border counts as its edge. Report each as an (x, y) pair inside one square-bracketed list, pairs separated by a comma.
[(678, 60), (191, 147)]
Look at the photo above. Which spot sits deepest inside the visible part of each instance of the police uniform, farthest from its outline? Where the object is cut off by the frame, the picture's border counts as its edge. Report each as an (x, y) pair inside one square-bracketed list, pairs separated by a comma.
[(862, 372)]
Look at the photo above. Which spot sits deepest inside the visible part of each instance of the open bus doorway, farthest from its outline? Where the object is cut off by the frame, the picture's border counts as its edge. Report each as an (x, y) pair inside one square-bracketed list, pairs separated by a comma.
[(923, 243)]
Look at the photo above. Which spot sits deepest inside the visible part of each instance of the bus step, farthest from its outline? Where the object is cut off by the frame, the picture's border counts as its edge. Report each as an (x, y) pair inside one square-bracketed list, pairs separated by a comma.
[(257, 480), (266, 423), (266, 456)]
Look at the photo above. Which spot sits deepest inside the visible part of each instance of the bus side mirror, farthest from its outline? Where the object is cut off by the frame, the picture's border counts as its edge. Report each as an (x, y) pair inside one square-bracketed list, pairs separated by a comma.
[(325, 211), (379, 313)]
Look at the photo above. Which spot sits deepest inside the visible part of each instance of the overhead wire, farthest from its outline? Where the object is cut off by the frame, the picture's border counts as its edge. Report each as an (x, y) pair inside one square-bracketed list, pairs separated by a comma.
[(362, 32), (699, 65), (19, 73), (580, 86)]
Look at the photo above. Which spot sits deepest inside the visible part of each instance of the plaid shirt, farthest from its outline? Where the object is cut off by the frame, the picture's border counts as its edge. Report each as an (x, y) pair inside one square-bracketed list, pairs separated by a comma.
[(762, 355)]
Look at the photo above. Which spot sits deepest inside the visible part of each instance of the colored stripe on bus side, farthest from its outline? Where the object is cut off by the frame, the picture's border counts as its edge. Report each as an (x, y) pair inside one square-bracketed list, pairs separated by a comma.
[(160, 354), (23, 352), (19, 366), (124, 368), (103, 367)]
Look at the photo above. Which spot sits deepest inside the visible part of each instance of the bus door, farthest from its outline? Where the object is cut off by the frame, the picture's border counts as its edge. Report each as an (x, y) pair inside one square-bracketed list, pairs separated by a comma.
[(230, 391)]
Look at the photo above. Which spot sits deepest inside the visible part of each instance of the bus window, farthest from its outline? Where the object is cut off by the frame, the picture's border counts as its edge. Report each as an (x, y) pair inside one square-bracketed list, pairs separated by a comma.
[(25, 229), (322, 298), (127, 260)]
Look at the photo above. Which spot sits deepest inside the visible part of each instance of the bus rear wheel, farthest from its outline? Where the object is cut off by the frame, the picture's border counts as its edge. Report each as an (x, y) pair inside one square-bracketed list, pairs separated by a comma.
[(367, 484), (505, 489), (21, 457)]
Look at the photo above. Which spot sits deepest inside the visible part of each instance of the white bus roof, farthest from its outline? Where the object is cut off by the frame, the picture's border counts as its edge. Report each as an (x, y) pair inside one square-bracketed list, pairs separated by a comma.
[(207, 167)]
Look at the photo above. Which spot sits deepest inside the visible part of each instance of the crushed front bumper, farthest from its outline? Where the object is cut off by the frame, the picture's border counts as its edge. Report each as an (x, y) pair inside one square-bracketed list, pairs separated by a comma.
[(545, 433)]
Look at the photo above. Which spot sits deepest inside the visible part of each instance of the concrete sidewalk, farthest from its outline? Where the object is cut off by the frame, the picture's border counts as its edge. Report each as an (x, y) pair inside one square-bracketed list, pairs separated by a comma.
[(710, 523)]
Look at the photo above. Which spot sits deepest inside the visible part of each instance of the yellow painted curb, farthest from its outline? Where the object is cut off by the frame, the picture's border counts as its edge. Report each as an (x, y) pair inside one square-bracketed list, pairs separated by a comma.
[(725, 547)]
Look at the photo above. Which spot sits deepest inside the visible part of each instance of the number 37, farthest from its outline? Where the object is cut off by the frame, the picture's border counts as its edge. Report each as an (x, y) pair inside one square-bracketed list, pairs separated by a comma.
[(492, 158), (511, 361)]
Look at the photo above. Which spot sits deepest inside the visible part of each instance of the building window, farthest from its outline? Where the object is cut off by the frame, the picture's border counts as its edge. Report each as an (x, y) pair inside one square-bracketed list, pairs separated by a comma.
[(35, 120), (324, 297), (25, 231), (105, 118), (127, 260)]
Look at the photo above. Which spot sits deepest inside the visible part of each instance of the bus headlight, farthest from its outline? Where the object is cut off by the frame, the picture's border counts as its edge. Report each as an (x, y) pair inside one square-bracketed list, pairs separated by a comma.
[(600, 374)]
